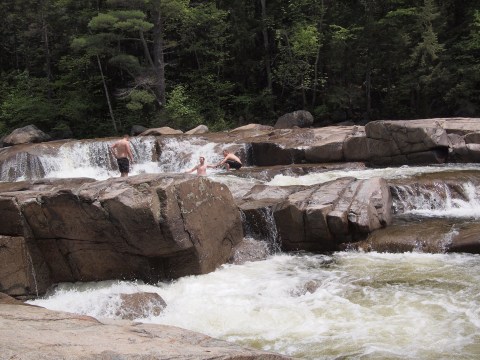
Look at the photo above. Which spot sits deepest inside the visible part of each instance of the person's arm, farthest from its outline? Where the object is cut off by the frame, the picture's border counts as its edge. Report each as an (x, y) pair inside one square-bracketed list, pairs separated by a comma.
[(191, 170), (129, 152), (221, 162), (113, 149)]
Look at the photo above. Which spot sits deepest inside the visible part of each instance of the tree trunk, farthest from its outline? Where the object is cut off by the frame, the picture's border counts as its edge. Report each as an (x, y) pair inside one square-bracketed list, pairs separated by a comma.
[(317, 57), (368, 90), (146, 51), (266, 47), (46, 48), (107, 96), (158, 57)]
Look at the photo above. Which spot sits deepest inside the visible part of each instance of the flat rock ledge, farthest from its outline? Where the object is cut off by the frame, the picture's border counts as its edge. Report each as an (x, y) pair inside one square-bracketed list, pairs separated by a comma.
[(35, 333)]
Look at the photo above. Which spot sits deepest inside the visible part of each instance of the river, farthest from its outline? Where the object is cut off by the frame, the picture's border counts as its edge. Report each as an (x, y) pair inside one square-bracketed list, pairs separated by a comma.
[(345, 305)]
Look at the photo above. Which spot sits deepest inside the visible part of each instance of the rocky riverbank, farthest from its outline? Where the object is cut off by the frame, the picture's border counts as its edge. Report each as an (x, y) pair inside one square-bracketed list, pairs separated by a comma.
[(34, 333)]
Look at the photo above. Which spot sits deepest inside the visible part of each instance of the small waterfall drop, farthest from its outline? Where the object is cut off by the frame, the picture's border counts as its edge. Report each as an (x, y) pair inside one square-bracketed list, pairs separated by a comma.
[(22, 166), (439, 200), (32, 271), (260, 225)]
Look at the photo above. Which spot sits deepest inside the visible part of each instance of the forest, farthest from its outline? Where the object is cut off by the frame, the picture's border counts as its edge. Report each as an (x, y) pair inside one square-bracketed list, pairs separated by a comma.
[(95, 68)]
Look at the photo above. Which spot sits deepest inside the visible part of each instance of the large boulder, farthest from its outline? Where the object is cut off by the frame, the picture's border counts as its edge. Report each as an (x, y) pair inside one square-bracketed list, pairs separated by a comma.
[(253, 127), (148, 227), (430, 236), (299, 118), (24, 135), (139, 305), (320, 217), (200, 129), (23, 271), (328, 144), (407, 141), (137, 130)]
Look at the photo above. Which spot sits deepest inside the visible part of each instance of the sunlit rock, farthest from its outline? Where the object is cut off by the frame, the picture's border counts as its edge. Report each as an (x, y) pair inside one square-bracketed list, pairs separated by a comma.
[(24, 135), (252, 127), (200, 129), (161, 131), (319, 217), (147, 227), (31, 332)]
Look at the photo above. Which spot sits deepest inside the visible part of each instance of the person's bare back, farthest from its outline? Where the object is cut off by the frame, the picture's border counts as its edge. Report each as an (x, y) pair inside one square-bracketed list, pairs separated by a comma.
[(230, 161), (121, 149), (123, 153)]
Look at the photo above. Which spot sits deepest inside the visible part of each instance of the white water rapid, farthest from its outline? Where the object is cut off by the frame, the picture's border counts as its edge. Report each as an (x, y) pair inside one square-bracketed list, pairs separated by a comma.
[(345, 306)]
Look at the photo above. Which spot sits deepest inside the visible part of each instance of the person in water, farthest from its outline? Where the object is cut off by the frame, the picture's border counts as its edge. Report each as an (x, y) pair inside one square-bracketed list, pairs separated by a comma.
[(123, 153), (201, 167), (230, 161)]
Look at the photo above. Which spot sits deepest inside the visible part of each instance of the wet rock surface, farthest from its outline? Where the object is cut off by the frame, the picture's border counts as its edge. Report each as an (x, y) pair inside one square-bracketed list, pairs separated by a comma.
[(33, 333)]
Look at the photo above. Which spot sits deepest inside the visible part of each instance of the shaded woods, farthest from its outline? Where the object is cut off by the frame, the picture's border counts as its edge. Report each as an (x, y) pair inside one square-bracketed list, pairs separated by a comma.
[(84, 68)]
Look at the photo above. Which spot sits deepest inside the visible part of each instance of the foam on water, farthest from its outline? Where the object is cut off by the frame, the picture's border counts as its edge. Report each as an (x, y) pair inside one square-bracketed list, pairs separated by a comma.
[(439, 202), (405, 306), (386, 173)]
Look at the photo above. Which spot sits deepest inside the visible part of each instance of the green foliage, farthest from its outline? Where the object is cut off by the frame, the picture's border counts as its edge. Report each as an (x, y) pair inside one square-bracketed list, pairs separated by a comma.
[(305, 41), (137, 99), (126, 62), (227, 63), (26, 102), (123, 20), (182, 111)]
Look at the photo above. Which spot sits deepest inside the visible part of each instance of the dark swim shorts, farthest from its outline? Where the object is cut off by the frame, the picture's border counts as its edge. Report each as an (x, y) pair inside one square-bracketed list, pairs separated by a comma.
[(123, 165), (234, 164)]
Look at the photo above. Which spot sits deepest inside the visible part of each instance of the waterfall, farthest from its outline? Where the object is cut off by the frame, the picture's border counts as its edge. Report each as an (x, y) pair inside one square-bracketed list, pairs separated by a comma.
[(437, 200), (177, 155), (22, 166), (92, 158), (260, 225), (32, 271), (87, 158)]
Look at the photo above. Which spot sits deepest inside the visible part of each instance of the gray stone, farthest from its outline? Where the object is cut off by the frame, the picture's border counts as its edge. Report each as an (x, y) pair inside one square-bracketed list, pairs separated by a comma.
[(147, 227), (161, 131), (299, 118), (24, 135), (32, 333), (200, 129)]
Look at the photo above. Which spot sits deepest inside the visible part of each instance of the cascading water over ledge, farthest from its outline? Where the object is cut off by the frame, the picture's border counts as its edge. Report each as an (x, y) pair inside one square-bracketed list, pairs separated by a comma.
[(92, 158), (439, 199)]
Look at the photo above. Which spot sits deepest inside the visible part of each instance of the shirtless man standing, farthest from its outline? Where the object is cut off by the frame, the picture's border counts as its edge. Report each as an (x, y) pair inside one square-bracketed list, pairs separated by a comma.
[(201, 168), (123, 153), (230, 160)]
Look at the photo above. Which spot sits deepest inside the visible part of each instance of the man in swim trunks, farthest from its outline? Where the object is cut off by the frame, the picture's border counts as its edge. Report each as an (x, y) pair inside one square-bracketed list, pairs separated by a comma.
[(231, 161), (123, 153)]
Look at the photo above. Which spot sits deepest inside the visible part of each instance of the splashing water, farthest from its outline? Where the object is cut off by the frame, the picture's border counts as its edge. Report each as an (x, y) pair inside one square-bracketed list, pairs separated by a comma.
[(386, 173), (93, 159), (349, 305), (438, 202)]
